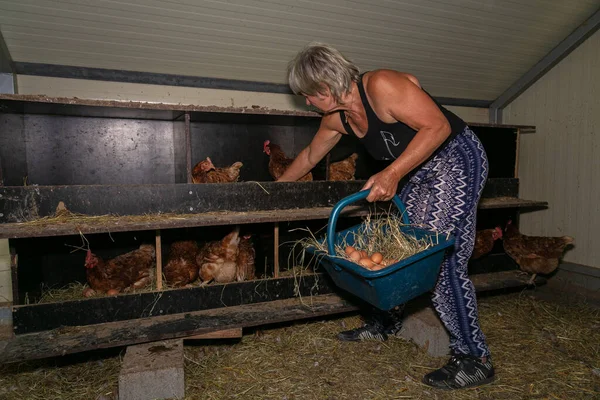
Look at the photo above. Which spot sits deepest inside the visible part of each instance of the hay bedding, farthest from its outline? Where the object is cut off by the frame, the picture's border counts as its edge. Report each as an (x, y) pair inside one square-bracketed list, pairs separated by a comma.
[(541, 350)]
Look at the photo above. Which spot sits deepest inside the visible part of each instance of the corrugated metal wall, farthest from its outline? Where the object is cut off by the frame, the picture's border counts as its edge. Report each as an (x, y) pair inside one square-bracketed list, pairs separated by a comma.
[(560, 163), (467, 49)]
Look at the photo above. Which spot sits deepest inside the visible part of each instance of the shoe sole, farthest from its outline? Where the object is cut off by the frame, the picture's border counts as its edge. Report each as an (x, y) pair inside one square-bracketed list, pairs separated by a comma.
[(476, 384), (361, 340)]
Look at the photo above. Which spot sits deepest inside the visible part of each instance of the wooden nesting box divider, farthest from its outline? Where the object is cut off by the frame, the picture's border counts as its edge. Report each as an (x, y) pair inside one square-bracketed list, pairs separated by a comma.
[(130, 163)]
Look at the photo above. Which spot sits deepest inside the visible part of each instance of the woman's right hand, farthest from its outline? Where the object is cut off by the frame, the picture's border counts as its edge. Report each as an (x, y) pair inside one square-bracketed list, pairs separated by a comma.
[(383, 185)]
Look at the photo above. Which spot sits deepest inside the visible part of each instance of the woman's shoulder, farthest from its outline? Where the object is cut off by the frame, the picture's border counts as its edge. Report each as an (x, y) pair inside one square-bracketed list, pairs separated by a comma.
[(383, 78)]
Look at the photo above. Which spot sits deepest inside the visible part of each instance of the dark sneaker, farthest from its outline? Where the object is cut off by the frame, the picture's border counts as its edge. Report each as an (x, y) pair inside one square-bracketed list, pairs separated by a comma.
[(369, 331), (461, 371), (379, 326), (393, 329)]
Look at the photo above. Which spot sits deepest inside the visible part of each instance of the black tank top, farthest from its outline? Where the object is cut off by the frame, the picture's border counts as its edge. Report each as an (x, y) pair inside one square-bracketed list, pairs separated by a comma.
[(386, 141)]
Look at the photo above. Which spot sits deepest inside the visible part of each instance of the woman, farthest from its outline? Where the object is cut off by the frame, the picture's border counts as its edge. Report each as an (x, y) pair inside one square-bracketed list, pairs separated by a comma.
[(395, 119)]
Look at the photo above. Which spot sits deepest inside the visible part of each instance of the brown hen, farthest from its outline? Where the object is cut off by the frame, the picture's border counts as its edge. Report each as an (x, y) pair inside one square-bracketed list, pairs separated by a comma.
[(206, 172), (245, 260), (484, 241), (534, 254), (343, 170), (132, 270), (278, 162), (218, 260), (181, 267)]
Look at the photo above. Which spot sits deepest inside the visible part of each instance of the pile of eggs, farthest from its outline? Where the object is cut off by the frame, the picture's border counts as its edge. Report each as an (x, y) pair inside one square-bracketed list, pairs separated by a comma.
[(374, 262)]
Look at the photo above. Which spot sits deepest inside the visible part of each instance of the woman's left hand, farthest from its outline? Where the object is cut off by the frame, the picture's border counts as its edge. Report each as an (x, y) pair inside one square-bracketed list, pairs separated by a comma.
[(383, 186)]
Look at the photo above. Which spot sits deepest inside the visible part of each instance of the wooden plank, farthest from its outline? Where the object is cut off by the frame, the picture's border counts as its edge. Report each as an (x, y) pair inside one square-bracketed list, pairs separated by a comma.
[(151, 222), (177, 205), (66, 340), (510, 202), (117, 108), (528, 128), (232, 333), (23, 203), (88, 311), (17, 102), (503, 280)]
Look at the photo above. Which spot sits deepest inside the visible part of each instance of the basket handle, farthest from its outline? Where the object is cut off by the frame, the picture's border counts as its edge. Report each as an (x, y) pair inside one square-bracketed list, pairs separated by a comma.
[(353, 198)]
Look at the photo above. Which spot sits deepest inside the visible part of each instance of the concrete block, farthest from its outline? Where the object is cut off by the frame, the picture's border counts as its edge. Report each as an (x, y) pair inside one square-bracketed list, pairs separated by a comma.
[(422, 325), (153, 371), (6, 326)]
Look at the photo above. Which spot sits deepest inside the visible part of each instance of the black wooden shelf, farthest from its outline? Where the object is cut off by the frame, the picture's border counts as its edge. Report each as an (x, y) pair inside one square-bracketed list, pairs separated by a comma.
[(510, 202), (151, 222), (72, 339), (73, 106), (76, 225)]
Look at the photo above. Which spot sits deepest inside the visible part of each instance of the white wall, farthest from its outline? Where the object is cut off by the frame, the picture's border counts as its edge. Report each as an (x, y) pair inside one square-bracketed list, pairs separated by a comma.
[(560, 163)]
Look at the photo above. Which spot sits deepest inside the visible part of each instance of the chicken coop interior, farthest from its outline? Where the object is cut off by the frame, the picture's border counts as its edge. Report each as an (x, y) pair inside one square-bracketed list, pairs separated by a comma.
[(143, 230)]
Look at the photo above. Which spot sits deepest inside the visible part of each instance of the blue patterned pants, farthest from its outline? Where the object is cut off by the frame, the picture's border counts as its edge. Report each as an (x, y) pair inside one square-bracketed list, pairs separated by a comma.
[(443, 195)]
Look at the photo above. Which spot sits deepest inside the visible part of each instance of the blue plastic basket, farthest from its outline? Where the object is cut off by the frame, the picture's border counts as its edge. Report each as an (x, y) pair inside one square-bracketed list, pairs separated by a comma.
[(396, 283)]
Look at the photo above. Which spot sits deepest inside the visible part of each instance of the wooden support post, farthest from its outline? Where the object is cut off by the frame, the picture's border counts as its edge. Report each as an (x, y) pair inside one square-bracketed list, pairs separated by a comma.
[(14, 272), (188, 148), (517, 153), (1, 176), (159, 283), (276, 254)]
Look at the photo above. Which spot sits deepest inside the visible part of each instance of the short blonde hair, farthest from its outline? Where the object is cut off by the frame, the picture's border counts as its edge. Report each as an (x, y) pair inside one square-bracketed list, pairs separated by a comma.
[(319, 64)]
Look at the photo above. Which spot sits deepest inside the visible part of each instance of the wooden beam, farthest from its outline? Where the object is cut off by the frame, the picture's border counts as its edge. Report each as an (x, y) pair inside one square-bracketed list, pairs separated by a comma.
[(232, 333), (158, 221), (503, 280), (66, 340), (563, 49), (96, 310), (510, 202), (116, 108), (168, 206)]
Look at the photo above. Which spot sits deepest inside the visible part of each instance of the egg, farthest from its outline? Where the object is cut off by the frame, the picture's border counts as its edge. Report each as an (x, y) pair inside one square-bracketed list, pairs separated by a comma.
[(354, 256), (377, 257), (377, 267), (387, 261), (349, 250), (363, 254), (366, 262)]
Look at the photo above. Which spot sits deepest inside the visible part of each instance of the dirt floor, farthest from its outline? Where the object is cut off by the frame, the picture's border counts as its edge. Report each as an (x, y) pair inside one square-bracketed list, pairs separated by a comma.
[(542, 349)]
